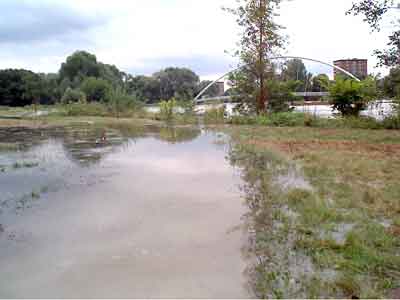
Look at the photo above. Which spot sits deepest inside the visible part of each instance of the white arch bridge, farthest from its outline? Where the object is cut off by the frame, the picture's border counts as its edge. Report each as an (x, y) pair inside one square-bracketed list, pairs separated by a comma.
[(196, 100)]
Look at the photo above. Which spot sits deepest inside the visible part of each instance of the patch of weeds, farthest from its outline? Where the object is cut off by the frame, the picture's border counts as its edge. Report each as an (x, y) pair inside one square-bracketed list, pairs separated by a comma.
[(19, 165), (35, 195), (337, 223)]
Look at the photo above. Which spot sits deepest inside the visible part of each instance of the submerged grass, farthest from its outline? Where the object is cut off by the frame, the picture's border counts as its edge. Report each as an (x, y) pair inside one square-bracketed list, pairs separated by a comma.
[(330, 227)]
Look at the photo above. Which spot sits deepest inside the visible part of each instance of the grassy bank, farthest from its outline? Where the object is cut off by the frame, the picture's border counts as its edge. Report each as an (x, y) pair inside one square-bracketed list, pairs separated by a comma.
[(324, 210)]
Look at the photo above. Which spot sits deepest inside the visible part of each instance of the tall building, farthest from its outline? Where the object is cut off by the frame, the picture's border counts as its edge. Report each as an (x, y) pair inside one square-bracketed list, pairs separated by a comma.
[(221, 88), (357, 67)]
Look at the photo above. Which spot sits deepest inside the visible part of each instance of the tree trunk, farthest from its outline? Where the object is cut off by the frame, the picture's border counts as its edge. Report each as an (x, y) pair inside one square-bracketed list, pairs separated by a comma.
[(262, 99)]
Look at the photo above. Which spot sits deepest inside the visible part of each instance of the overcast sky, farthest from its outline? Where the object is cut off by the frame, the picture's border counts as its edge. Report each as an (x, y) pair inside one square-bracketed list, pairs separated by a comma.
[(143, 36)]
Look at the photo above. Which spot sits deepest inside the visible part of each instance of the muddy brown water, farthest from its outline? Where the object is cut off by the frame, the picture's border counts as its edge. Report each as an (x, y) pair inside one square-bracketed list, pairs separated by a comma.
[(140, 215)]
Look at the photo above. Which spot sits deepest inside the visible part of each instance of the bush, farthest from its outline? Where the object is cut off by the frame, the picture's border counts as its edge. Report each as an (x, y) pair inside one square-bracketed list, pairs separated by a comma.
[(97, 89), (215, 115), (350, 96), (167, 110), (72, 96), (392, 122), (124, 105)]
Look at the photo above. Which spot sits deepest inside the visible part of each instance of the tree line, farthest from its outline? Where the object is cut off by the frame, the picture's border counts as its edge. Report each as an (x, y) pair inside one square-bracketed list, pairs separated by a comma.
[(83, 78)]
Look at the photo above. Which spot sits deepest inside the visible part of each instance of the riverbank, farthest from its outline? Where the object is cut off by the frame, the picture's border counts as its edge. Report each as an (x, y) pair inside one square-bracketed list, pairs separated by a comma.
[(324, 210)]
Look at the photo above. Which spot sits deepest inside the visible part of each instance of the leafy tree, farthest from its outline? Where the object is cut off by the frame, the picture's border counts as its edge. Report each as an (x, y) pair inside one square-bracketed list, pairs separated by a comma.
[(280, 93), (211, 92), (260, 38), (320, 83), (121, 101), (349, 97), (112, 74), (97, 89), (373, 12), (143, 88), (78, 66), (72, 96), (49, 91), (20, 87), (294, 69), (391, 83), (177, 83)]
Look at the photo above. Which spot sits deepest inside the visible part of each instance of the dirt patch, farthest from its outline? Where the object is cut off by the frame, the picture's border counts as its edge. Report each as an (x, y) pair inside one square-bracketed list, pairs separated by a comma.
[(297, 147)]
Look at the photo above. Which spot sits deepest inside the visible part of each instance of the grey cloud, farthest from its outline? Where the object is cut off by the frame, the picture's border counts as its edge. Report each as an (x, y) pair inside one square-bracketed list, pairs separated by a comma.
[(36, 21), (203, 65)]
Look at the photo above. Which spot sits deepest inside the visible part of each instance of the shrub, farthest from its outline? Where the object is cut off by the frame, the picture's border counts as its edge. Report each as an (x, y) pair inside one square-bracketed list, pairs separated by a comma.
[(167, 110), (215, 115), (392, 122), (124, 105), (97, 89), (72, 96), (350, 96)]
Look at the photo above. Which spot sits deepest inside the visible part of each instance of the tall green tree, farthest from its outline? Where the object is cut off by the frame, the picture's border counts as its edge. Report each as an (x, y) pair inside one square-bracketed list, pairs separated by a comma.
[(178, 83), (391, 83), (373, 12), (20, 87), (96, 89), (260, 38), (143, 88), (320, 83), (211, 92), (79, 66), (295, 70)]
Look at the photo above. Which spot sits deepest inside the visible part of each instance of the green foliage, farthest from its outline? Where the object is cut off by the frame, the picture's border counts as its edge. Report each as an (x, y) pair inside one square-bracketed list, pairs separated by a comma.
[(260, 39), (350, 96), (167, 110), (87, 109), (282, 119), (98, 90), (294, 119), (280, 93), (215, 115), (20, 87), (78, 66), (123, 104), (295, 70), (211, 92), (71, 96), (177, 83), (320, 83), (391, 83), (373, 12), (143, 88)]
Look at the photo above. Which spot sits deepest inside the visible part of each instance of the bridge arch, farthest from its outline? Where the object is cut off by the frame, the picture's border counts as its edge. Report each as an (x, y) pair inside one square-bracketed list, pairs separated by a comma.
[(276, 58)]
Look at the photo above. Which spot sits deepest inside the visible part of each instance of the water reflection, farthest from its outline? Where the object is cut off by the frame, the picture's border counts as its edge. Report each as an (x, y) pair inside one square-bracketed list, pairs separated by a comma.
[(43, 159), (152, 218)]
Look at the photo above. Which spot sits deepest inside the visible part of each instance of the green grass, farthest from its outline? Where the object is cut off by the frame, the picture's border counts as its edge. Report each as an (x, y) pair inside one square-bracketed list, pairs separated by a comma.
[(296, 119), (346, 221)]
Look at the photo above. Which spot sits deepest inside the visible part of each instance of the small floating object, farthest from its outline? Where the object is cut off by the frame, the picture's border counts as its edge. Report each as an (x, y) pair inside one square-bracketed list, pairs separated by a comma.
[(103, 138)]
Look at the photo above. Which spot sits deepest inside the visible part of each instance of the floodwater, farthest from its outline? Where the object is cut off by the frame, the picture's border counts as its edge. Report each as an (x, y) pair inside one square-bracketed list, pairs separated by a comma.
[(152, 213)]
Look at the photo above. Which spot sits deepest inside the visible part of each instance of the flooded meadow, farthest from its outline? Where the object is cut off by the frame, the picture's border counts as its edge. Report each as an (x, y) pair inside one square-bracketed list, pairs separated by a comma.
[(148, 212)]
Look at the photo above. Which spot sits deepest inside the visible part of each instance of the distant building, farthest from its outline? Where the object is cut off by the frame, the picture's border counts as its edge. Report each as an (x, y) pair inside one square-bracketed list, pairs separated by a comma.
[(357, 67), (221, 88)]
